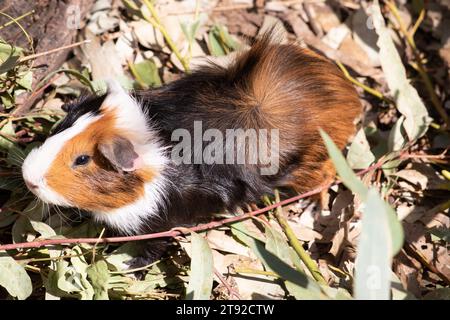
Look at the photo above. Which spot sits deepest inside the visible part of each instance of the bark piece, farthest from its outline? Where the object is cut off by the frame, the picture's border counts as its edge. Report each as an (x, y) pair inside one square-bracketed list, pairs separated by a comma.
[(53, 24)]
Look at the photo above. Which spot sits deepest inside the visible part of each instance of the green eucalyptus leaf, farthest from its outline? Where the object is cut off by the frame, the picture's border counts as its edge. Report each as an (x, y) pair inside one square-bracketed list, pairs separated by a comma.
[(6, 136), (301, 285), (438, 294), (146, 73), (201, 277), (7, 218), (375, 250), (118, 258), (7, 100), (226, 38), (277, 245), (214, 45), (9, 63), (25, 80), (349, 178), (190, 30), (397, 136), (407, 99), (441, 233), (14, 278), (98, 275)]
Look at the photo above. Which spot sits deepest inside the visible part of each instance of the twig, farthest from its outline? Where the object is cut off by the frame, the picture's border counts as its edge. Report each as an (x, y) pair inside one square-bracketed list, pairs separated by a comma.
[(223, 8), (178, 231), (136, 75), (425, 156), (14, 20), (368, 89), (295, 243), (40, 54), (26, 261), (32, 269), (411, 249), (420, 67), (255, 271), (166, 234), (231, 291), (342, 272), (446, 174), (417, 24), (156, 22), (94, 249)]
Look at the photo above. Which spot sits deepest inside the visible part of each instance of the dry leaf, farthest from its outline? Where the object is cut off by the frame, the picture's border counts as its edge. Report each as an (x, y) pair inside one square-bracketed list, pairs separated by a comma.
[(220, 241)]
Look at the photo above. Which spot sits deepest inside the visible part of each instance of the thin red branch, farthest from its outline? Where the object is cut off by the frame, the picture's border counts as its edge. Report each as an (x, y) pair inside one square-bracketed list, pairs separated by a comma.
[(179, 231), (224, 281)]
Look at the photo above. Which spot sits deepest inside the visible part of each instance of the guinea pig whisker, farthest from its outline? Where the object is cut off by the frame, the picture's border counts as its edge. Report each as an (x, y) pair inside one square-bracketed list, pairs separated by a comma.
[(67, 218), (80, 215), (36, 202), (13, 203), (64, 218), (16, 160), (42, 204), (45, 213), (61, 216)]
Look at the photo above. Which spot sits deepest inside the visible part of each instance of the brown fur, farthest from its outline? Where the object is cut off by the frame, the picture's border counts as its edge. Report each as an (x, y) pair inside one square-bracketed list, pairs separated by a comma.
[(298, 91)]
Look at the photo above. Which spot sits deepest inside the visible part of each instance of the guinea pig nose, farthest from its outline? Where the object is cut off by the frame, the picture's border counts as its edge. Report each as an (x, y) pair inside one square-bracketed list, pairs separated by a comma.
[(30, 185)]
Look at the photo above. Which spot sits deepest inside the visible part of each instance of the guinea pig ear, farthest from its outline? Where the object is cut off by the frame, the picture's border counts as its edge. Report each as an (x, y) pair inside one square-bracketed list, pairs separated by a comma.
[(120, 152), (114, 87)]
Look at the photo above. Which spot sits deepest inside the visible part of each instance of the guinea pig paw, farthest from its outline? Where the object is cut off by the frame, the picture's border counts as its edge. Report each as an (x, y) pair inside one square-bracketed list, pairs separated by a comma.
[(149, 252), (138, 263)]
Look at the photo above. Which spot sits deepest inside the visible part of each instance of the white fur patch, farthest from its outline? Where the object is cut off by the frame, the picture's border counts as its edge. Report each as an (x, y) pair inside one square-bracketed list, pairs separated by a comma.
[(38, 161), (129, 114), (131, 118), (130, 218)]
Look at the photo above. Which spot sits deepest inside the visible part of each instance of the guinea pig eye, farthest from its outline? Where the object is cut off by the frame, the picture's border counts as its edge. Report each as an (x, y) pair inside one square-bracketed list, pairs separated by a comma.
[(82, 160)]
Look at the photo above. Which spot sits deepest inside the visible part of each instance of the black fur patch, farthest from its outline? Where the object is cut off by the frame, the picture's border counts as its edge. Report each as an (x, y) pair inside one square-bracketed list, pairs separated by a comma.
[(86, 104)]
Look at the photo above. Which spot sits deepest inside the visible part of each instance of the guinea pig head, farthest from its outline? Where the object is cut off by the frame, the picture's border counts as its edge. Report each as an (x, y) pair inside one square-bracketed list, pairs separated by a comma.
[(101, 158)]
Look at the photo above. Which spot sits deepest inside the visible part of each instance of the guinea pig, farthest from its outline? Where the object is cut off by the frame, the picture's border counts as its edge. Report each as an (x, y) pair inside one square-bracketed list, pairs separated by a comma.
[(216, 139)]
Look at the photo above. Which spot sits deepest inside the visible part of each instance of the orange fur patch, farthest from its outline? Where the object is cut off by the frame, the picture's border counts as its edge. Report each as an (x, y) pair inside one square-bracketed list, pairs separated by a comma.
[(96, 186)]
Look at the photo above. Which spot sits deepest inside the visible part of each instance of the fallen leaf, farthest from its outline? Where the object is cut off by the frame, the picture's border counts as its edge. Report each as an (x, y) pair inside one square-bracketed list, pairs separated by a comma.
[(407, 99), (14, 278), (359, 155), (98, 275), (424, 177), (201, 274), (220, 241)]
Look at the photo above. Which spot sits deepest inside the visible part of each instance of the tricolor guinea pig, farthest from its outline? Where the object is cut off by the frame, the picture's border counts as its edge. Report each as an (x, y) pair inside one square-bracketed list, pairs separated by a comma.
[(216, 139)]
